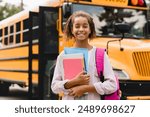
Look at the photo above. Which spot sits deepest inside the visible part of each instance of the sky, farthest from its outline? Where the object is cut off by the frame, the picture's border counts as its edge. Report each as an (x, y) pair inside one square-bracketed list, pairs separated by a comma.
[(27, 3)]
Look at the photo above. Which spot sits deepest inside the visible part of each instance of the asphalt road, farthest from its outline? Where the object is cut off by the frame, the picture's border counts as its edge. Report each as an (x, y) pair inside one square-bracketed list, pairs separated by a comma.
[(15, 93)]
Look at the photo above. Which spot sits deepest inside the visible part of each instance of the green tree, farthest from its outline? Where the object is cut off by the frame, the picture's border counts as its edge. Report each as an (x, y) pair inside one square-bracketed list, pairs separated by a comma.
[(8, 10)]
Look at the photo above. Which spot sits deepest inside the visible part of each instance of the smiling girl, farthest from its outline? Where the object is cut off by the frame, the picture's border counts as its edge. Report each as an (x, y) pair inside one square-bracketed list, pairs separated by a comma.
[(87, 86)]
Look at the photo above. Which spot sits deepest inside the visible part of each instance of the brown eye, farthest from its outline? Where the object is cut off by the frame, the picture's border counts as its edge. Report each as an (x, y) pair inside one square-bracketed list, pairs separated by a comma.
[(85, 26), (77, 26)]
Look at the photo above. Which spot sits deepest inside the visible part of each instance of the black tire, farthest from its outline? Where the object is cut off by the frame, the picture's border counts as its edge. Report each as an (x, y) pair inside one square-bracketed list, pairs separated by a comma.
[(4, 88)]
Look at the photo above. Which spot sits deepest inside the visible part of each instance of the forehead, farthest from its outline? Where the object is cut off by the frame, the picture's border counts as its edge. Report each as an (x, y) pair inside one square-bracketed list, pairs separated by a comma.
[(80, 19)]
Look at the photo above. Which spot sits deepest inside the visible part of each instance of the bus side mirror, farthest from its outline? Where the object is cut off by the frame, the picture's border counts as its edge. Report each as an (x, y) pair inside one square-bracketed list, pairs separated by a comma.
[(147, 29), (123, 28), (148, 26), (67, 9)]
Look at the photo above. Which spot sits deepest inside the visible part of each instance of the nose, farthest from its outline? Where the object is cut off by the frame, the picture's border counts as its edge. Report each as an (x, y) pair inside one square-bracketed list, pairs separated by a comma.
[(81, 28)]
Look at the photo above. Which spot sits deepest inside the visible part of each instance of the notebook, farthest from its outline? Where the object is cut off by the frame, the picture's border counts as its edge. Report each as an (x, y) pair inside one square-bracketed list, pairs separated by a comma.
[(73, 64), (83, 51)]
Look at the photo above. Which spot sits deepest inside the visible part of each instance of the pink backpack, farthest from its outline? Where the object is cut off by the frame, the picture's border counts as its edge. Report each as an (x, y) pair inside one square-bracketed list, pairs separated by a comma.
[(100, 67)]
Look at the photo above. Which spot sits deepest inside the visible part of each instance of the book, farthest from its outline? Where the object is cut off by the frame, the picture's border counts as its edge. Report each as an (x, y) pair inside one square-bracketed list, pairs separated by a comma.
[(84, 51), (73, 64)]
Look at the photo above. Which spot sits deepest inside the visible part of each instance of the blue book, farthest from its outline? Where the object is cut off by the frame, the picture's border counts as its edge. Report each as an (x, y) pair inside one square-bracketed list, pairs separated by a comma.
[(84, 51)]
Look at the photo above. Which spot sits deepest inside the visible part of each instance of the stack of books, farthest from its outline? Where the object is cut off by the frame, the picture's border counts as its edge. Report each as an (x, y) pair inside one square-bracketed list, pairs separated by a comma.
[(74, 62)]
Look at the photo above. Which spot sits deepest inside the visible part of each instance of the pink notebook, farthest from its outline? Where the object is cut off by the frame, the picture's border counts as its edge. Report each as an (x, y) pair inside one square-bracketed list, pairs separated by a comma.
[(72, 67)]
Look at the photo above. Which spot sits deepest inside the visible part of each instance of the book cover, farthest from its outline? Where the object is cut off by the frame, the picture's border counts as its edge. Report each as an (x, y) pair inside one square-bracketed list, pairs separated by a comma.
[(84, 51), (73, 65)]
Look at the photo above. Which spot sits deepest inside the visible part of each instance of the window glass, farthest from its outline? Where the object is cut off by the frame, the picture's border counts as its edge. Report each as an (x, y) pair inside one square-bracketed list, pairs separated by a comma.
[(105, 18)]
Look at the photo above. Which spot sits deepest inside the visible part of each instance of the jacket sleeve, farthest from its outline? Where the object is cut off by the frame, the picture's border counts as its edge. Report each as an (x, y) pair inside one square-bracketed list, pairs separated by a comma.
[(109, 85), (57, 85)]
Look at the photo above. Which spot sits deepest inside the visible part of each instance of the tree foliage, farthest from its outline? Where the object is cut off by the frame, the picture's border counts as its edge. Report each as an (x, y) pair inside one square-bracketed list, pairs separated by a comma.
[(8, 10)]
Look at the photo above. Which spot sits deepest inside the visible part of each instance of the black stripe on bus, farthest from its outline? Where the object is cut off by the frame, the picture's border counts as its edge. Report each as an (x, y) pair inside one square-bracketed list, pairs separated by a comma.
[(7, 80), (17, 45), (16, 70), (14, 58)]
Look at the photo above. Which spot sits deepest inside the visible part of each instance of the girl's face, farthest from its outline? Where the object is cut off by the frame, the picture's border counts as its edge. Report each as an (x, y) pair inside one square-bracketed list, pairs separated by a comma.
[(81, 28)]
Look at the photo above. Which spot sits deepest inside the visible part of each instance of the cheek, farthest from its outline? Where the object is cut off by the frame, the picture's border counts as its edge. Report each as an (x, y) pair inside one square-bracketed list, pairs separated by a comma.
[(89, 32), (73, 31)]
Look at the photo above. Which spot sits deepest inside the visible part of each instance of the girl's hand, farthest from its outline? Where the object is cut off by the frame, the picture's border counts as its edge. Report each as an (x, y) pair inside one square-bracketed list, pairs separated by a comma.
[(82, 79), (77, 91)]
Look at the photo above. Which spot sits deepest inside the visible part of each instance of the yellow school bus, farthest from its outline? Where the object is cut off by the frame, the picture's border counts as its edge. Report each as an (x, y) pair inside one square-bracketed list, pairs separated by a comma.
[(31, 40)]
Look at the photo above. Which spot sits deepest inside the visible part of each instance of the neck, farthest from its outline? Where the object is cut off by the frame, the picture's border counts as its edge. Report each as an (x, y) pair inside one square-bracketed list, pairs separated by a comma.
[(82, 44)]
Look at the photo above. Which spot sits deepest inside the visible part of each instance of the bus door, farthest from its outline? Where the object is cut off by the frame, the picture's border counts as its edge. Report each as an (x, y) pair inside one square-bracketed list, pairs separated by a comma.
[(48, 49), (33, 54)]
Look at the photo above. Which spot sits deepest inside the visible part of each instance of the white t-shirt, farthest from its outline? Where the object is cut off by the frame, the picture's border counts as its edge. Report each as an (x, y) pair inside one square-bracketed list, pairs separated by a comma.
[(107, 87)]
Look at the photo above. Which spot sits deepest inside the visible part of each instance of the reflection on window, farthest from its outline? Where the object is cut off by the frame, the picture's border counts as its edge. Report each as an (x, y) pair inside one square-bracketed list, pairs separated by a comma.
[(105, 18)]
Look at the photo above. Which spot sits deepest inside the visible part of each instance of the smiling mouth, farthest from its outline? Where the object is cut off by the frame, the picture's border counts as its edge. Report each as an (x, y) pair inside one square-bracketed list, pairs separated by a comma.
[(81, 34)]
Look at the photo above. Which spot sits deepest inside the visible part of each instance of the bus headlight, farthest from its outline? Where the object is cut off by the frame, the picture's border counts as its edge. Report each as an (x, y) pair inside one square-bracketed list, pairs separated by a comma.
[(122, 75)]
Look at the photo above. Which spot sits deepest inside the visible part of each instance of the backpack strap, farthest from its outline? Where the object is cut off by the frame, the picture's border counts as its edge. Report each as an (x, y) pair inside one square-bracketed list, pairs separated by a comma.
[(100, 69), (100, 65), (100, 61)]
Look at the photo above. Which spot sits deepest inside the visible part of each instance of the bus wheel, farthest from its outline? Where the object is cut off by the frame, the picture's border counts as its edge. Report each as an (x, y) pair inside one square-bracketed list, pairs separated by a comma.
[(4, 88)]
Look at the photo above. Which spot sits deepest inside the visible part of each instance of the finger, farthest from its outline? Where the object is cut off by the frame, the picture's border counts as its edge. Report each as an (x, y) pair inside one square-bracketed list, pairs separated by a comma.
[(87, 75), (83, 73), (70, 90), (71, 94)]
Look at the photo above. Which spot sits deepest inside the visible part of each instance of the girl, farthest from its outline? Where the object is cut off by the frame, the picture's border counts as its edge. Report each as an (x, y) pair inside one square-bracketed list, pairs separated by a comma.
[(87, 86)]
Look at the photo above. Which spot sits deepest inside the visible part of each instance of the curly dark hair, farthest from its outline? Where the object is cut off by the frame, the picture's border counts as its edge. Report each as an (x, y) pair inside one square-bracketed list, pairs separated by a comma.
[(69, 25)]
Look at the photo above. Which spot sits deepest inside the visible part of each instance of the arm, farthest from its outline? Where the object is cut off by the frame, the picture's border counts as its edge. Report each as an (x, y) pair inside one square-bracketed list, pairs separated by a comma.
[(57, 84), (109, 85)]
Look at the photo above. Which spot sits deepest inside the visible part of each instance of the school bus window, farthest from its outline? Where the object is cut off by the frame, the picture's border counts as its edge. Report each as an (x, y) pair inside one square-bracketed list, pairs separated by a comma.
[(11, 39), (0, 32), (35, 33), (18, 27), (11, 29), (0, 39), (26, 24), (51, 31), (35, 28), (35, 21), (26, 35), (6, 36), (25, 30), (1, 42), (18, 38), (6, 30), (11, 34), (6, 41), (106, 17)]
